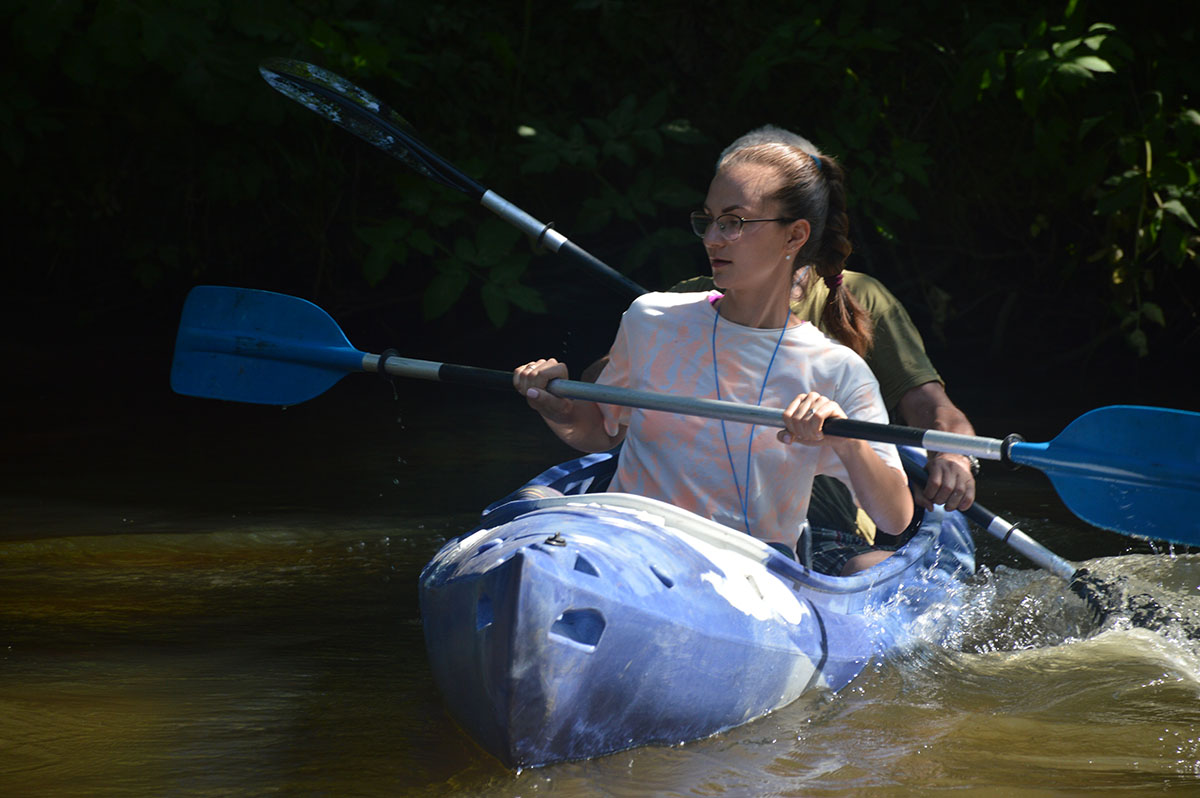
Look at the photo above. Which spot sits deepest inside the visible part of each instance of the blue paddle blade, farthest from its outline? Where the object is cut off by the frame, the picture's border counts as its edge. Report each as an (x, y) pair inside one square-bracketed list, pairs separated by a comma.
[(1132, 469), (257, 346)]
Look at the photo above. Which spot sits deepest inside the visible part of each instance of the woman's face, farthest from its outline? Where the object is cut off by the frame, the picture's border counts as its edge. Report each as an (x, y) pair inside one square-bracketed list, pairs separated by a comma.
[(758, 257)]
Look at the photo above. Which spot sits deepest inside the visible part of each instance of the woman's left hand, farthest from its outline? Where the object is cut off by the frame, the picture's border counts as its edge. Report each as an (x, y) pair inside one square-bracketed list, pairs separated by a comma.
[(805, 416)]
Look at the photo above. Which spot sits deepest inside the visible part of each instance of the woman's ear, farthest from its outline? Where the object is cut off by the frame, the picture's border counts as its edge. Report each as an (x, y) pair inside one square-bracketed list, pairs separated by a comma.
[(798, 231)]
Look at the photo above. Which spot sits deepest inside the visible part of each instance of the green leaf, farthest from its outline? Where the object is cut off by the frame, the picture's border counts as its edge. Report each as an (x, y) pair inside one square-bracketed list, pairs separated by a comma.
[(654, 110), (378, 263), (898, 205), (1179, 211), (1087, 125), (622, 116), (442, 216), (1093, 63), (494, 239), (443, 290), (495, 304), (676, 194), (1137, 339), (650, 140), (682, 131), (985, 80), (600, 128), (526, 298), (619, 150), (325, 37), (1173, 242), (541, 163), (1071, 75), (642, 204), (422, 242), (464, 250), (1128, 193), (1062, 49), (1154, 313), (594, 215)]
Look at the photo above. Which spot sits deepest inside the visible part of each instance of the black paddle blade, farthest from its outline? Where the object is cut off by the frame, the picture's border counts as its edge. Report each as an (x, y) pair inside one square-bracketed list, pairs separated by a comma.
[(359, 112)]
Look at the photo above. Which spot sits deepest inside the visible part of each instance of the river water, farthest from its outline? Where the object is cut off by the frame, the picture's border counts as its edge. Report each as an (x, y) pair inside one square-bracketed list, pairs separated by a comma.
[(200, 598)]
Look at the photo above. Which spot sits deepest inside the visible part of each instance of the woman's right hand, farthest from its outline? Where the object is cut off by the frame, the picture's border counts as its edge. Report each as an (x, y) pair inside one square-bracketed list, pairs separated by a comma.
[(531, 379)]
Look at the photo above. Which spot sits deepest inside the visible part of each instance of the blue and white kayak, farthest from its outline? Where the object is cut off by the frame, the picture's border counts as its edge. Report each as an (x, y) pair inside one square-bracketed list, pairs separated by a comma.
[(567, 627)]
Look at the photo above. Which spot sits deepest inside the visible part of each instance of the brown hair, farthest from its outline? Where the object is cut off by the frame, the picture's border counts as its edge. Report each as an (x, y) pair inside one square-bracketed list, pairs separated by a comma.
[(814, 188)]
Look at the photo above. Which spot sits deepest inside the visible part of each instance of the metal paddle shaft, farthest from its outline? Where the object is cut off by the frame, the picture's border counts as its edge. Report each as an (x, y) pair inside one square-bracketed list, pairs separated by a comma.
[(268, 348), (999, 528), (357, 111)]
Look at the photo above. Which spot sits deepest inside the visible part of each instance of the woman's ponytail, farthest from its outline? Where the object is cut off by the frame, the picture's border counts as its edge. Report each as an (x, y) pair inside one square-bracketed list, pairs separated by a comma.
[(842, 316), (814, 188)]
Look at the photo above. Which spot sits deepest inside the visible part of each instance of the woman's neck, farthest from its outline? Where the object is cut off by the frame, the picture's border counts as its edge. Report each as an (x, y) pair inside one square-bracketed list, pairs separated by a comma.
[(768, 312)]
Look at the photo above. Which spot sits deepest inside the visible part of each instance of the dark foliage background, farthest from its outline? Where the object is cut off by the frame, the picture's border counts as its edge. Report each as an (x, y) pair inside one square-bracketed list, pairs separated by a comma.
[(1023, 176)]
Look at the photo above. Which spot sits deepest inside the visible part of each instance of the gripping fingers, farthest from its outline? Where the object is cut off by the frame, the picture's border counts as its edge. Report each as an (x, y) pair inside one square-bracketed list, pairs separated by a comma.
[(805, 416), (950, 483), (530, 381)]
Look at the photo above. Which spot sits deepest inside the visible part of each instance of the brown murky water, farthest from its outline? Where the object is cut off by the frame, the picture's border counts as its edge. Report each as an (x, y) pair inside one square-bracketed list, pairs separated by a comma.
[(209, 599)]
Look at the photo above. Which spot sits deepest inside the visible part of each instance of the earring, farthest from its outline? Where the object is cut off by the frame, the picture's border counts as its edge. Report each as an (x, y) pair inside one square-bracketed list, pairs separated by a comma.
[(787, 257)]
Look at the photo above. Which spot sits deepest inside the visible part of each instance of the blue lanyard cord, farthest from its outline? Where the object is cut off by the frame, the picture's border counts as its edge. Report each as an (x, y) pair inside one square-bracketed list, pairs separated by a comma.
[(743, 500)]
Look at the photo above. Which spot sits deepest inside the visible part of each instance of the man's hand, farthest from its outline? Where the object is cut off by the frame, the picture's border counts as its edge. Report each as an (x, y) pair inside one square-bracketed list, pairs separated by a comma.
[(950, 483)]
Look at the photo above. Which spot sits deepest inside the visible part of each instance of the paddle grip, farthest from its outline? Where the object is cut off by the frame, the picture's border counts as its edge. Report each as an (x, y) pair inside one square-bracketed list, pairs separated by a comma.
[(868, 431), (479, 377)]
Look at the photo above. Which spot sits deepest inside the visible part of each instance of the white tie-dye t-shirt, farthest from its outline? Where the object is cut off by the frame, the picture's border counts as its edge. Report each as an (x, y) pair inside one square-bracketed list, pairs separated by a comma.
[(665, 344)]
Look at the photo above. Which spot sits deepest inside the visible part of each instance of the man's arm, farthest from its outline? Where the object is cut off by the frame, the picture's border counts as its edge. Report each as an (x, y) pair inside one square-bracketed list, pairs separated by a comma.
[(592, 372), (951, 482)]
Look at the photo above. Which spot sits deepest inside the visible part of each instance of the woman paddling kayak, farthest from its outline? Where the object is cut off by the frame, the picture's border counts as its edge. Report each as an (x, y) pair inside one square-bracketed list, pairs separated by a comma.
[(771, 209)]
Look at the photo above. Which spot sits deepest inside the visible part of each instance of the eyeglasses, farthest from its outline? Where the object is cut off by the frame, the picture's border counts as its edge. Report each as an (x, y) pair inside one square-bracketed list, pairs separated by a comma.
[(728, 225)]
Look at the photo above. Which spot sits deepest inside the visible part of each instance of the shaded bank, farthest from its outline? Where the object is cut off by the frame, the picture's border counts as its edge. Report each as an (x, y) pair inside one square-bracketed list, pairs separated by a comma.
[(1025, 184)]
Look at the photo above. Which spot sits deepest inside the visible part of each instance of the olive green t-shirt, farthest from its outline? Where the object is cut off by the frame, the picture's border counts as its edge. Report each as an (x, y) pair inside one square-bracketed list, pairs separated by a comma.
[(897, 356)]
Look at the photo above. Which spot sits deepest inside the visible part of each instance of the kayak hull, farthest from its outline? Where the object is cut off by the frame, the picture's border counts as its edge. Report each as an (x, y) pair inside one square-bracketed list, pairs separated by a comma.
[(569, 627)]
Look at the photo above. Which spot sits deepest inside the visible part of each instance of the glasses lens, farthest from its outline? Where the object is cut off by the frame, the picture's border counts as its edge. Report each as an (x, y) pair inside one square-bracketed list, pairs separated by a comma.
[(730, 226), (700, 223)]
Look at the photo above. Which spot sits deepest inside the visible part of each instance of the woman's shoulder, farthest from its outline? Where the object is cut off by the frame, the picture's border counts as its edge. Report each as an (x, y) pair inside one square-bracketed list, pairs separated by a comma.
[(670, 301), (830, 350)]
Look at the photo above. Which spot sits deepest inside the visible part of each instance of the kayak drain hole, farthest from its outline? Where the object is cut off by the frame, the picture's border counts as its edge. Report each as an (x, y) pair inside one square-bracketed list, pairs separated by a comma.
[(584, 566), (483, 613), (666, 580), (581, 627)]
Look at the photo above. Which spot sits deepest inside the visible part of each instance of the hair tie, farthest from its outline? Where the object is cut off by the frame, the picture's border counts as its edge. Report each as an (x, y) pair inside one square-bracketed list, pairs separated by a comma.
[(816, 160), (833, 281)]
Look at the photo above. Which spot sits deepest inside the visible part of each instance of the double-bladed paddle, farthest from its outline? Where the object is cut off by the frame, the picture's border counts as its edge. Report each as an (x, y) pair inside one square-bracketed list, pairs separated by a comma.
[(1135, 470), (354, 109), (347, 105)]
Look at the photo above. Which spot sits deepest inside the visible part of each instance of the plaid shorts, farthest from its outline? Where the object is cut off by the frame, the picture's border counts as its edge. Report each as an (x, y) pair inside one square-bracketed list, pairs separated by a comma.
[(831, 549)]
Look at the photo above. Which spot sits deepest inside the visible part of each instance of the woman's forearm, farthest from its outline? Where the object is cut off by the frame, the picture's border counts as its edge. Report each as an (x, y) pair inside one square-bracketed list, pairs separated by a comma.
[(582, 428), (882, 490)]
